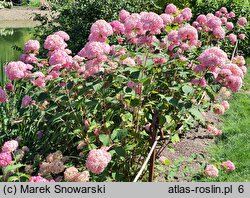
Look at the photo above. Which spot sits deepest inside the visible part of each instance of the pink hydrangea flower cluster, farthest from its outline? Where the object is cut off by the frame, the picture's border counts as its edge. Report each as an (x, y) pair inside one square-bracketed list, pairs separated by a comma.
[(228, 166), (100, 31), (230, 76), (17, 70), (171, 9), (211, 58), (213, 130), (3, 96), (5, 159), (28, 58), (54, 42), (10, 146), (211, 171), (201, 82), (32, 46), (39, 179), (242, 21), (98, 160)]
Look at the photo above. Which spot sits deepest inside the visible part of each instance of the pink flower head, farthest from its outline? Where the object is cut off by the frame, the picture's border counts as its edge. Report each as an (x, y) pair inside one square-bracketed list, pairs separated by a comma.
[(230, 25), (225, 104), (54, 42), (219, 32), (173, 36), (39, 179), (10, 146), (234, 83), (123, 15), (214, 131), (31, 46), (214, 22), (133, 24), (98, 160), (151, 22), (186, 14), (223, 10), (242, 21), (188, 32), (228, 166), (118, 27), (40, 82), (224, 20), (233, 38), (60, 57), (94, 50), (231, 15), (159, 61), (3, 96), (167, 19), (201, 19), (129, 61), (213, 56), (211, 171), (179, 19), (28, 58), (9, 87), (5, 159), (171, 9), (242, 36), (63, 35), (100, 30), (219, 109), (26, 101), (17, 70)]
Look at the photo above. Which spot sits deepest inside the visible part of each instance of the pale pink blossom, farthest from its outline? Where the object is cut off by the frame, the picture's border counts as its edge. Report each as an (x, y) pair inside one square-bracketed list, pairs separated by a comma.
[(100, 30), (5, 159), (242, 36), (97, 160), (171, 9), (129, 61), (225, 104), (10, 146), (118, 27), (123, 15), (31, 46), (151, 22), (63, 35), (228, 166), (17, 70), (242, 21), (219, 32), (186, 14), (39, 179), (219, 109), (214, 131), (232, 37), (211, 171), (28, 58), (167, 19), (54, 42)]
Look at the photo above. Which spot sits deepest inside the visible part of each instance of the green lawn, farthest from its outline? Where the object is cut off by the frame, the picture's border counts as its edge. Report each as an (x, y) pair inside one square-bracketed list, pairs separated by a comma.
[(234, 145)]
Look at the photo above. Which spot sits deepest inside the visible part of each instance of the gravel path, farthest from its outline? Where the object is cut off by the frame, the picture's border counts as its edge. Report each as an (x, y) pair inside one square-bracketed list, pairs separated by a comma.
[(19, 17)]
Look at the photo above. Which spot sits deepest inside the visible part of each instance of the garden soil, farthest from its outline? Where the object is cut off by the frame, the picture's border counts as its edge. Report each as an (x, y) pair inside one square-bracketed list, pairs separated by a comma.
[(191, 151)]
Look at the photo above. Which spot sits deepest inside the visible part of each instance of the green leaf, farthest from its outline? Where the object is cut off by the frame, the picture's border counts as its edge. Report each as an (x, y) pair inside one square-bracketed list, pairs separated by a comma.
[(187, 89), (197, 114), (175, 138), (98, 86), (104, 139), (12, 168), (119, 134), (120, 151)]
